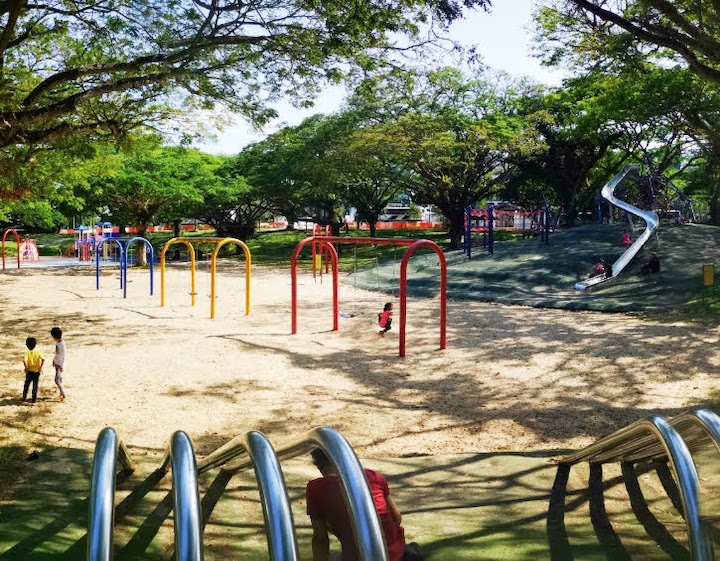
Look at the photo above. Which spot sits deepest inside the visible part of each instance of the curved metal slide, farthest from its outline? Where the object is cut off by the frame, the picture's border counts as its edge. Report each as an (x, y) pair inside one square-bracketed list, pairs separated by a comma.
[(650, 218)]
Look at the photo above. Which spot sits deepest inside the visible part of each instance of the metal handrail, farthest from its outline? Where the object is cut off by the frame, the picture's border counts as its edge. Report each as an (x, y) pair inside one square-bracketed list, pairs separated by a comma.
[(186, 498), (109, 451), (238, 455), (623, 444)]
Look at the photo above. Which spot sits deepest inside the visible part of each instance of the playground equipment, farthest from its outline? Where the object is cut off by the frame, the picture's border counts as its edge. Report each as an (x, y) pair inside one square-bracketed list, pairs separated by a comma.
[(251, 450), (650, 218), (219, 242), (28, 250), (666, 442), (123, 247), (480, 225), (326, 243), (17, 241)]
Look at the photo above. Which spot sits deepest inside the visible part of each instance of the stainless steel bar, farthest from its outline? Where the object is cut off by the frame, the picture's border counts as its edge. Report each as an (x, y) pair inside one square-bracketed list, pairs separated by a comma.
[(700, 542), (369, 536), (186, 499), (101, 517), (277, 512)]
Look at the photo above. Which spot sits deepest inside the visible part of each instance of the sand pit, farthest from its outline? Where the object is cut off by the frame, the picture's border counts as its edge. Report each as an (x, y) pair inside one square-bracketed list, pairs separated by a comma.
[(511, 378)]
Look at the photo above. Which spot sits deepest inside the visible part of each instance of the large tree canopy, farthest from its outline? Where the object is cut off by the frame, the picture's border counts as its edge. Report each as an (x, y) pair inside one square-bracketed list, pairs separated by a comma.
[(688, 29), (103, 66)]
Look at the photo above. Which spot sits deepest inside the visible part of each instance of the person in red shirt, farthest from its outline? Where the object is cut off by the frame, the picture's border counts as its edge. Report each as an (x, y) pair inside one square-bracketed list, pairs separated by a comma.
[(328, 515), (385, 319)]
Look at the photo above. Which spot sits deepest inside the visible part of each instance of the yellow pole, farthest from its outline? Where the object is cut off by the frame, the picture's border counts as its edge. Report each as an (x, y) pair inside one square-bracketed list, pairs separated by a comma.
[(248, 266)]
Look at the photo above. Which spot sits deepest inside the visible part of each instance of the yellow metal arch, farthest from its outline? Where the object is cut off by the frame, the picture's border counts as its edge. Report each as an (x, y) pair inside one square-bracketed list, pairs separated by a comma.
[(219, 242)]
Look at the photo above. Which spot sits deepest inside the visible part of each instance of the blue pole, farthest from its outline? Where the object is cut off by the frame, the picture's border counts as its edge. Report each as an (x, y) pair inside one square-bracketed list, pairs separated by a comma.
[(490, 229)]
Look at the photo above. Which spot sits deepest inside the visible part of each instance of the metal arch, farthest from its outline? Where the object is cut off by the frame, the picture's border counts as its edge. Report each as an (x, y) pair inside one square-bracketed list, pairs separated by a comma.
[(180, 457), (369, 536), (124, 264), (282, 541), (17, 241), (101, 517), (327, 241), (213, 268), (403, 290), (293, 280), (235, 456), (614, 448), (97, 260), (191, 251)]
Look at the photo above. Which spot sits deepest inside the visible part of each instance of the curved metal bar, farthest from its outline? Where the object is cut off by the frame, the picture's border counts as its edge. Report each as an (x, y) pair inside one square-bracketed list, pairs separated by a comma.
[(149, 246), (235, 456), (97, 260), (366, 526), (277, 512), (17, 242), (650, 218), (706, 420), (293, 280), (191, 252), (700, 542), (186, 498), (213, 266), (403, 289), (101, 517)]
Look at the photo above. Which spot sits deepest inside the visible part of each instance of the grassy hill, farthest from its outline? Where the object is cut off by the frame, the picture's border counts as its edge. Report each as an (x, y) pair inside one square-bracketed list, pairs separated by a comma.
[(531, 273)]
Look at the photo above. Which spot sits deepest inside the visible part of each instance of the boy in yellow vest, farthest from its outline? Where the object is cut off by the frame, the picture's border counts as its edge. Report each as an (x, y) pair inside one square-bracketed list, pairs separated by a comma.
[(33, 362)]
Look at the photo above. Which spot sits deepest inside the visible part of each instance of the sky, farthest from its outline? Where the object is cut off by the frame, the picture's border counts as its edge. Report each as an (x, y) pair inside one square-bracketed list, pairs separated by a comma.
[(502, 37)]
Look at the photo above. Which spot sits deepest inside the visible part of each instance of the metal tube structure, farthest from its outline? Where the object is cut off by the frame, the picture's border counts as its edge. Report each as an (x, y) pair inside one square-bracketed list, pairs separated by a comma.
[(191, 252), (121, 248), (414, 245), (124, 264), (17, 242), (277, 512), (681, 463), (213, 267), (293, 280), (101, 517), (367, 530), (403, 290), (219, 242), (186, 498)]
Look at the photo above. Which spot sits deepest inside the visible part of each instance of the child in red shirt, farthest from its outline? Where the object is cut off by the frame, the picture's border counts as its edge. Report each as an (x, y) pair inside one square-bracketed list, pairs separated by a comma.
[(385, 319)]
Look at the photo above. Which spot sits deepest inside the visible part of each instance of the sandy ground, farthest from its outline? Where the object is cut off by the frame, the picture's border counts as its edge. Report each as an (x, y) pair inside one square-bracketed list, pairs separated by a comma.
[(511, 378)]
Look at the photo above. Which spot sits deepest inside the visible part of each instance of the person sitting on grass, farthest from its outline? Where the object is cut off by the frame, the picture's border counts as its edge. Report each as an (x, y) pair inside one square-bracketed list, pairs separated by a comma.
[(328, 515), (652, 266)]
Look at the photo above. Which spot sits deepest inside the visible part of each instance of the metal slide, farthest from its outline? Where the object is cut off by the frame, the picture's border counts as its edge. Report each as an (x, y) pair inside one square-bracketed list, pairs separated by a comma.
[(251, 450), (650, 218)]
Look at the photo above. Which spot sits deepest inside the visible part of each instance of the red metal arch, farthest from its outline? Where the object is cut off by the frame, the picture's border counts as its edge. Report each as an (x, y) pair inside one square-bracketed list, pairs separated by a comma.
[(327, 241)]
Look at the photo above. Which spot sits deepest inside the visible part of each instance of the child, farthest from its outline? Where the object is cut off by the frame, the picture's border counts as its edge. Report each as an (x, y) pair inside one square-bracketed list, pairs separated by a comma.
[(626, 239), (59, 360), (385, 319), (33, 362)]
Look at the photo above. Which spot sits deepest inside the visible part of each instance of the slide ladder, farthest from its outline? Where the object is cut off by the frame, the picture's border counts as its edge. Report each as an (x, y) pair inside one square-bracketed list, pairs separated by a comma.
[(241, 453), (656, 438), (651, 219)]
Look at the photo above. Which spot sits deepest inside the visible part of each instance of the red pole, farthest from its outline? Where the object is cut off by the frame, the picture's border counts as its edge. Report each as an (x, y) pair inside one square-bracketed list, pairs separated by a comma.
[(327, 241), (403, 290), (293, 280)]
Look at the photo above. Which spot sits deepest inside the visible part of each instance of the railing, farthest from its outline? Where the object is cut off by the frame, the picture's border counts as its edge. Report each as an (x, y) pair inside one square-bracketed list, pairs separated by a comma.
[(653, 438), (109, 451)]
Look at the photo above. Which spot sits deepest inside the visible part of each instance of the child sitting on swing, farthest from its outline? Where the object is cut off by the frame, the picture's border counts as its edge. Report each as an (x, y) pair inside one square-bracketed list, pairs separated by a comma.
[(385, 319)]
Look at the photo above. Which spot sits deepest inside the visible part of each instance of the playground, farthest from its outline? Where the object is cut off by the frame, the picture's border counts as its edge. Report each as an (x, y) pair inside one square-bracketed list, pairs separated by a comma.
[(512, 378)]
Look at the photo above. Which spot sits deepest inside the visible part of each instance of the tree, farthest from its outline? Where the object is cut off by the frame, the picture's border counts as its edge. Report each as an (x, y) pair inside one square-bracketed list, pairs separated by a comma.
[(155, 184), (453, 137), (684, 30), (71, 71)]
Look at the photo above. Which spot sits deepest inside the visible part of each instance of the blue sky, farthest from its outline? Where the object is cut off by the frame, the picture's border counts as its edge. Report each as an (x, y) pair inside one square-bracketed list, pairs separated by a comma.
[(502, 38)]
